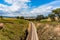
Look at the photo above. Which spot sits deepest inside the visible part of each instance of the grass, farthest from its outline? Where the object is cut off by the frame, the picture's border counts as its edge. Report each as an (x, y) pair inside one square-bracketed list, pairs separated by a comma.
[(44, 21), (49, 22), (14, 29), (46, 30)]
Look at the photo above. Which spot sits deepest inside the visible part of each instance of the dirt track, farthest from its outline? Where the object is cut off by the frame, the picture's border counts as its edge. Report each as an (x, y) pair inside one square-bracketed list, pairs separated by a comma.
[(32, 32)]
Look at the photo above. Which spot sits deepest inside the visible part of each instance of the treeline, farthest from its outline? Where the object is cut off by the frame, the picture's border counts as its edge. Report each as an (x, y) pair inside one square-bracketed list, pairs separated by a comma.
[(40, 17), (17, 17), (21, 17), (54, 16)]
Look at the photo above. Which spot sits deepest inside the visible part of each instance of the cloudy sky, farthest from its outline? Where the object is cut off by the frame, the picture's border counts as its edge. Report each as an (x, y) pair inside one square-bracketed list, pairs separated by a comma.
[(27, 7)]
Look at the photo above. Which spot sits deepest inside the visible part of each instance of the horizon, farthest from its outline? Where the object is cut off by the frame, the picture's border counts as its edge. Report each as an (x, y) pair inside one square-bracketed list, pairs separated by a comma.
[(27, 7)]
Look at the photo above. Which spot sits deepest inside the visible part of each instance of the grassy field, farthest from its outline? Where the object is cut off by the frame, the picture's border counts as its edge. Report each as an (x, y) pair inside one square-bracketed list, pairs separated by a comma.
[(48, 30), (13, 29), (16, 29)]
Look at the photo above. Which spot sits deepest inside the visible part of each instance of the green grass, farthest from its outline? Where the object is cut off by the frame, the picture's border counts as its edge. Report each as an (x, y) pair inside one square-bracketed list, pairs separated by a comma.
[(49, 22), (13, 29), (45, 21)]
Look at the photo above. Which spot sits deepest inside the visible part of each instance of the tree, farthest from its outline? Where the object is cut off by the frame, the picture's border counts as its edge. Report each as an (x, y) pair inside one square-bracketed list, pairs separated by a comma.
[(1, 17), (21, 17), (52, 17), (17, 17), (57, 12), (39, 17)]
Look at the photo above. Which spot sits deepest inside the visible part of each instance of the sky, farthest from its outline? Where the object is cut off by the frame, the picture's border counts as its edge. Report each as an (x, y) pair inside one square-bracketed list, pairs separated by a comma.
[(27, 7)]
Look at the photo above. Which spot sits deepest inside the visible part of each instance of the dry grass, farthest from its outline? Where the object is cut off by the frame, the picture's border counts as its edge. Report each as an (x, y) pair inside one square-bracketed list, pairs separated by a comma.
[(49, 31)]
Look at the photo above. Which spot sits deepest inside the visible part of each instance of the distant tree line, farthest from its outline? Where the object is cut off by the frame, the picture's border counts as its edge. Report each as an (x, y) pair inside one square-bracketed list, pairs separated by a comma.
[(21, 17), (18, 17), (55, 13), (39, 17), (1, 17)]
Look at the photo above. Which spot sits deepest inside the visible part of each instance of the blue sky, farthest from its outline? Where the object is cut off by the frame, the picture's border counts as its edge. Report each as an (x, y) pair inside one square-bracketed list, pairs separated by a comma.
[(39, 2), (32, 3), (3, 2), (27, 7)]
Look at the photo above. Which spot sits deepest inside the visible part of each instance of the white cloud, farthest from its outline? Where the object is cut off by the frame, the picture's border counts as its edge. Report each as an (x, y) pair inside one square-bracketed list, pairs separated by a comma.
[(46, 8), (14, 1), (9, 1), (20, 8), (25, 0), (17, 6)]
